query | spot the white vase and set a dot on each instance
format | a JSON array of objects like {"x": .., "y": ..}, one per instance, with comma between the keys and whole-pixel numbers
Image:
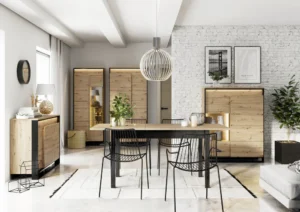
[
  {"x": 122, "y": 122},
  {"x": 113, "y": 122}
]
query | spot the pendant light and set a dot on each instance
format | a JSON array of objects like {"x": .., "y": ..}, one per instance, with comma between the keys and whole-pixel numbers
[{"x": 156, "y": 64}]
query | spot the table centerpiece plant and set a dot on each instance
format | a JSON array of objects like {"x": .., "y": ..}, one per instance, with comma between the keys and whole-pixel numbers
[{"x": 121, "y": 109}]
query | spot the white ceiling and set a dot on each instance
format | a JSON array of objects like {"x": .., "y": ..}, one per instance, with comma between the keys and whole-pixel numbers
[{"x": 124, "y": 21}]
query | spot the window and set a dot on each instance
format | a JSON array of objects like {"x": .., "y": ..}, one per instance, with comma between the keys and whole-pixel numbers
[{"x": 43, "y": 75}]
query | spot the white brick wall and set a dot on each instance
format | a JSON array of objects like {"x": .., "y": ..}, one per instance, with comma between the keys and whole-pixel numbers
[{"x": 280, "y": 59}]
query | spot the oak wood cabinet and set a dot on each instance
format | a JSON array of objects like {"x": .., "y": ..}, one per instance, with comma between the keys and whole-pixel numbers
[
  {"x": 88, "y": 106},
  {"x": 131, "y": 83},
  {"x": 243, "y": 111},
  {"x": 36, "y": 141}
]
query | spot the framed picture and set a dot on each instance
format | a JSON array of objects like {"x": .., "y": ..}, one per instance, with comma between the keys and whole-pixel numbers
[
  {"x": 218, "y": 62},
  {"x": 247, "y": 64}
]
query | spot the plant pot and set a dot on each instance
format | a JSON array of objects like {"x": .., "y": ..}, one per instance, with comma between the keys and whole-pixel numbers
[
  {"x": 287, "y": 152},
  {"x": 122, "y": 122},
  {"x": 113, "y": 122}
]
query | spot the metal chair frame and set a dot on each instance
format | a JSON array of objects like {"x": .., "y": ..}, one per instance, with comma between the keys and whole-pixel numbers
[
  {"x": 161, "y": 142},
  {"x": 129, "y": 151},
  {"x": 189, "y": 157},
  {"x": 142, "y": 121}
]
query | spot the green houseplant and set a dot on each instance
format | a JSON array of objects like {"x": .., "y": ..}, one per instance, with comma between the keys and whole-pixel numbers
[
  {"x": 286, "y": 110},
  {"x": 121, "y": 109},
  {"x": 286, "y": 106}
]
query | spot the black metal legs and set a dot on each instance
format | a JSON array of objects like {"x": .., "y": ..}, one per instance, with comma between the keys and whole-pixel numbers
[
  {"x": 174, "y": 189},
  {"x": 101, "y": 176},
  {"x": 220, "y": 189},
  {"x": 166, "y": 187},
  {"x": 147, "y": 172},
  {"x": 158, "y": 158},
  {"x": 142, "y": 178},
  {"x": 150, "y": 163}
]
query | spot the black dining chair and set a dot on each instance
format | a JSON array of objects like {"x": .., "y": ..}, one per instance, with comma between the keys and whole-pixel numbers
[
  {"x": 191, "y": 158},
  {"x": 167, "y": 142},
  {"x": 129, "y": 150},
  {"x": 142, "y": 140}
]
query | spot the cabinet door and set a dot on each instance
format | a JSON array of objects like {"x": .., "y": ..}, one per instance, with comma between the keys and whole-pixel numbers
[
  {"x": 51, "y": 143},
  {"x": 246, "y": 149},
  {"x": 139, "y": 96},
  {"x": 120, "y": 83}
]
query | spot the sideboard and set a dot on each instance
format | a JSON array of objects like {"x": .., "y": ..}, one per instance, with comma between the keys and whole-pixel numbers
[{"x": 35, "y": 141}]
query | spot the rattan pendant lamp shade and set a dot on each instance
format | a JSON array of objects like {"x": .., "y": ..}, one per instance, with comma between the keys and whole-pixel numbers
[{"x": 156, "y": 64}]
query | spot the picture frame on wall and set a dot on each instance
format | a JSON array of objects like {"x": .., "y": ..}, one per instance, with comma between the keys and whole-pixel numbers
[
  {"x": 218, "y": 60},
  {"x": 247, "y": 64}
]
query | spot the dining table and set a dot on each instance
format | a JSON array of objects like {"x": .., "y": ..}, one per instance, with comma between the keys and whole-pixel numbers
[{"x": 159, "y": 131}]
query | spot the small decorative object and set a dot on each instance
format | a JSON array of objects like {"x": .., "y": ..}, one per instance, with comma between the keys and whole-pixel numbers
[
  {"x": 213, "y": 121},
  {"x": 28, "y": 112},
  {"x": 184, "y": 123},
  {"x": 200, "y": 117},
  {"x": 156, "y": 64},
  {"x": 194, "y": 121},
  {"x": 121, "y": 109},
  {"x": 247, "y": 64},
  {"x": 295, "y": 166},
  {"x": 219, "y": 135},
  {"x": 23, "y": 72},
  {"x": 217, "y": 64},
  {"x": 220, "y": 120},
  {"x": 208, "y": 119},
  {"x": 46, "y": 107},
  {"x": 113, "y": 122}
]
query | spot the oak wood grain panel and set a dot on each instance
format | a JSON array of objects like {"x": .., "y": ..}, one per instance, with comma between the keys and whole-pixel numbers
[
  {"x": 94, "y": 135},
  {"x": 120, "y": 81},
  {"x": 41, "y": 125},
  {"x": 20, "y": 143},
  {"x": 250, "y": 109},
  {"x": 81, "y": 96},
  {"x": 246, "y": 135},
  {"x": 81, "y": 125},
  {"x": 216, "y": 105},
  {"x": 140, "y": 113},
  {"x": 254, "y": 99},
  {"x": 246, "y": 120},
  {"x": 51, "y": 143},
  {"x": 96, "y": 81},
  {"x": 81, "y": 114},
  {"x": 232, "y": 92},
  {"x": 246, "y": 149},
  {"x": 224, "y": 146}
]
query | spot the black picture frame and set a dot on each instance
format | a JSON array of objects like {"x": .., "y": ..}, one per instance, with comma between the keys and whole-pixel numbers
[
  {"x": 235, "y": 66},
  {"x": 21, "y": 74},
  {"x": 229, "y": 61}
]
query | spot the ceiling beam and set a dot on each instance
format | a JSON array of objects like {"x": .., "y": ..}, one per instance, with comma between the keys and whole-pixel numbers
[
  {"x": 32, "y": 12},
  {"x": 109, "y": 26},
  {"x": 168, "y": 11}
]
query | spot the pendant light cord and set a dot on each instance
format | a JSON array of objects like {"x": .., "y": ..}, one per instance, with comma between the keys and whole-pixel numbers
[{"x": 156, "y": 18}]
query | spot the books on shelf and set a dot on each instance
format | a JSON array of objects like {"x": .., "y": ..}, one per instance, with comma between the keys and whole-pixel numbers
[{"x": 28, "y": 113}]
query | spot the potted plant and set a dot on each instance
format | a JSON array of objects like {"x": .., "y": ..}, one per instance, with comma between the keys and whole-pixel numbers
[
  {"x": 286, "y": 110},
  {"x": 216, "y": 76},
  {"x": 121, "y": 109}
]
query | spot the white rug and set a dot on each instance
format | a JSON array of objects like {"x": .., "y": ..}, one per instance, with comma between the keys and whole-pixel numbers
[{"x": 84, "y": 184}]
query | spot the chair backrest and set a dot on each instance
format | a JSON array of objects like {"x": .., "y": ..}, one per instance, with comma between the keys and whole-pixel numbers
[
  {"x": 192, "y": 149},
  {"x": 171, "y": 121},
  {"x": 136, "y": 121},
  {"x": 125, "y": 139}
]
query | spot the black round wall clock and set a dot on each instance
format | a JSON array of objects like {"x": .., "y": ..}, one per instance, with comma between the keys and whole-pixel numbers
[{"x": 23, "y": 72}]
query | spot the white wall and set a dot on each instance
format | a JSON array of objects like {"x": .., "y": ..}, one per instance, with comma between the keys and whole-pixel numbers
[
  {"x": 2, "y": 120},
  {"x": 103, "y": 55},
  {"x": 21, "y": 41},
  {"x": 280, "y": 56}
]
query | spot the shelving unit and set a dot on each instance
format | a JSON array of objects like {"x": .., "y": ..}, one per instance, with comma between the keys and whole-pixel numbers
[{"x": 242, "y": 110}]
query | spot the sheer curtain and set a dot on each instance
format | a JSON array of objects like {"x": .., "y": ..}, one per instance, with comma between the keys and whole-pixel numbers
[{"x": 59, "y": 78}]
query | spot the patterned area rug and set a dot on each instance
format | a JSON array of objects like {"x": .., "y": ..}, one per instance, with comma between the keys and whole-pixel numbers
[{"x": 84, "y": 184}]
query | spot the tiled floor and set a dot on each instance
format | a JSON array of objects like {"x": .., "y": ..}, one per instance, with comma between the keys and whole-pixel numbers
[{"x": 90, "y": 158}]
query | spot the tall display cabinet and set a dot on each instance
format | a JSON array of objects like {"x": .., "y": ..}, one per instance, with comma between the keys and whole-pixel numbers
[
  {"x": 131, "y": 83},
  {"x": 88, "y": 97}
]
